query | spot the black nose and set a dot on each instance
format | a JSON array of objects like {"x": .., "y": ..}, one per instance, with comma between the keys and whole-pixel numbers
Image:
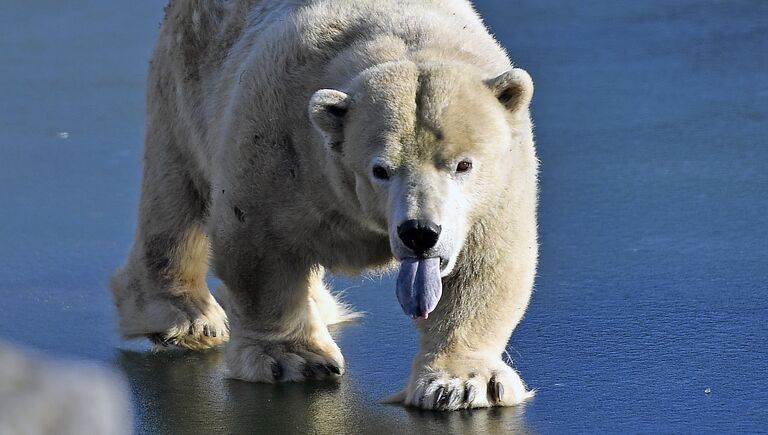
[{"x": 419, "y": 235}]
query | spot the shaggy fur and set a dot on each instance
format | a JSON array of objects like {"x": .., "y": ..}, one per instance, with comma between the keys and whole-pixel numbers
[{"x": 265, "y": 119}]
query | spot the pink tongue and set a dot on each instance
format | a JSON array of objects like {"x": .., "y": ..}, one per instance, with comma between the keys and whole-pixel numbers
[{"x": 419, "y": 286}]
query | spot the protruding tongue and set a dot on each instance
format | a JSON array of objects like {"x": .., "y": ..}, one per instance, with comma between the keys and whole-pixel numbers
[{"x": 419, "y": 286}]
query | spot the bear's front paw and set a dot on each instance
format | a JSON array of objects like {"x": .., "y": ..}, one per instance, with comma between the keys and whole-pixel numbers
[
  {"x": 282, "y": 361},
  {"x": 472, "y": 384}
]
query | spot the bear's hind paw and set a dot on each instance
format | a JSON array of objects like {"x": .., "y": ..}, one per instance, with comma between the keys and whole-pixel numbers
[
  {"x": 177, "y": 322},
  {"x": 272, "y": 362}
]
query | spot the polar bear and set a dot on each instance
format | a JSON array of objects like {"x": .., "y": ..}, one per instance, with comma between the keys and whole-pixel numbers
[{"x": 287, "y": 138}]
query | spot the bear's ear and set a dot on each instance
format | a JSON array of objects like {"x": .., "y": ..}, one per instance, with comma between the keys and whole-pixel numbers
[
  {"x": 514, "y": 89},
  {"x": 327, "y": 110}
]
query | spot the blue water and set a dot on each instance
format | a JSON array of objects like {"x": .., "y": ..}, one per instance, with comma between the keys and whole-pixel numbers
[{"x": 651, "y": 119}]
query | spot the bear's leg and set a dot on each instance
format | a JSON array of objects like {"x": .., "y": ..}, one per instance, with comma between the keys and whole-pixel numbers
[
  {"x": 278, "y": 331},
  {"x": 460, "y": 364},
  {"x": 161, "y": 291},
  {"x": 330, "y": 308}
]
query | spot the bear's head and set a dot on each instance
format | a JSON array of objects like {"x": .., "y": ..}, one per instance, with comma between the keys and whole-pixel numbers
[{"x": 425, "y": 150}]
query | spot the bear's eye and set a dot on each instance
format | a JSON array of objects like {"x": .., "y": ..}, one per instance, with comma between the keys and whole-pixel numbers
[
  {"x": 380, "y": 173},
  {"x": 464, "y": 166}
]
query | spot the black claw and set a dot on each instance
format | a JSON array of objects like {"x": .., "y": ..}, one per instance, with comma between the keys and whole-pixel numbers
[
  {"x": 277, "y": 371},
  {"x": 456, "y": 397},
  {"x": 438, "y": 397},
  {"x": 469, "y": 394},
  {"x": 492, "y": 389},
  {"x": 306, "y": 371},
  {"x": 322, "y": 369},
  {"x": 158, "y": 339},
  {"x": 447, "y": 398},
  {"x": 499, "y": 391},
  {"x": 334, "y": 368},
  {"x": 206, "y": 330},
  {"x": 213, "y": 332},
  {"x": 191, "y": 330}
]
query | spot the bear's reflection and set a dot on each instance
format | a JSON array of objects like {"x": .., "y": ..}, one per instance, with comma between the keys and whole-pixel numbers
[{"x": 182, "y": 392}]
